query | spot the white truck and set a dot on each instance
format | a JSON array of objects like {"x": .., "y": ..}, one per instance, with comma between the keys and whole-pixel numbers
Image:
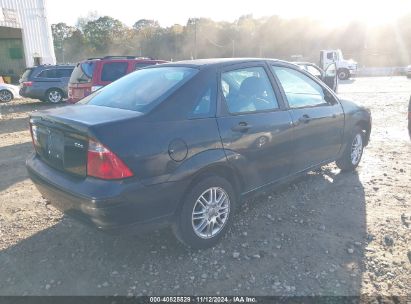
[{"x": 345, "y": 68}]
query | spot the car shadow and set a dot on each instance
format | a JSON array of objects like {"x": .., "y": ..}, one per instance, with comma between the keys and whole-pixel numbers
[{"x": 307, "y": 238}]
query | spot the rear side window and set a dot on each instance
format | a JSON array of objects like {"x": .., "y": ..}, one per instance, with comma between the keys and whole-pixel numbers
[
  {"x": 62, "y": 73},
  {"x": 48, "y": 74},
  {"x": 83, "y": 72},
  {"x": 142, "y": 90},
  {"x": 113, "y": 71}
]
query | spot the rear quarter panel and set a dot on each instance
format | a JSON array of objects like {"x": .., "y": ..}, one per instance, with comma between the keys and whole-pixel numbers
[
  {"x": 354, "y": 115},
  {"x": 145, "y": 147}
]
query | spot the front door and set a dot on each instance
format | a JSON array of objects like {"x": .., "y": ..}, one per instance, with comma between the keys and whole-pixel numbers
[
  {"x": 255, "y": 128},
  {"x": 318, "y": 118}
]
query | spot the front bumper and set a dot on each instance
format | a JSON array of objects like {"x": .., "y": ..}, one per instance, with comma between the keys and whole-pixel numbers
[
  {"x": 106, "y": 205},
  {"x": 353, "y": 71}
]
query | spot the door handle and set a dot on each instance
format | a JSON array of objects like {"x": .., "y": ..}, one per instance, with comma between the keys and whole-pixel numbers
[
  {"x": 241, "y": 127},
  {"x": 304, "y": 119}
]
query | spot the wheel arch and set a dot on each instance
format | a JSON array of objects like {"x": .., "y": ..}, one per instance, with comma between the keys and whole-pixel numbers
[
  {"x": 366, "y": 128},
  {"x": 5, "y": 89},
  {"x": 223, "y": 170}
]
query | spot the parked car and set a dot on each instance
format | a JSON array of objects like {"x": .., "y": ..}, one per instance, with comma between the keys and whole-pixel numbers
[
  {"x": 8, "y": 92},
  {"x": 46, "y": 82},
  {"x": 329, "y": 76},
  {"x": 174, "y": 144},
  {"x": 408, "y": 71},
  {"x": 94, "y": 73}
]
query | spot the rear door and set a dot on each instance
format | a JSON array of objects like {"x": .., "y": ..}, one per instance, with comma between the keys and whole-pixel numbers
[
  {"x": 255, "y": 128},
  {"x": 317, "y": 115}
]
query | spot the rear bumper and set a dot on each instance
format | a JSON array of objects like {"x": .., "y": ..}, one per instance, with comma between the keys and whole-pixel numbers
[
  {"x": 106, "y": 205},
  {"x": 29, "y": 92}
]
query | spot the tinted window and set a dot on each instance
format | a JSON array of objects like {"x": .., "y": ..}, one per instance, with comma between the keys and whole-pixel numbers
[
  {"x": 301, "y": 91},
  {"x": 141, "y": 90},
  {"x": 48, "y": 74},
  {"x": 83, "y": 72},
  {"x": 113, "y": 71},
  {"x": 248, "y": 90},
  {"x": 330, "y": 56},
  {"x": 64, "y": 72},
  {"x": 205, "y": 104},
  {"x": 140, "y": 65}
]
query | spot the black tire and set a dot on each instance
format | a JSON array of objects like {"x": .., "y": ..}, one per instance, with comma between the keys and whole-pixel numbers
[
  {"x": 343, "y": 74},
  {"x": 6, "y": 96},
  {"x": 54, "y": 96},
  {"x": 184, "y": 227},
  {"x": 346, "y": 162}
]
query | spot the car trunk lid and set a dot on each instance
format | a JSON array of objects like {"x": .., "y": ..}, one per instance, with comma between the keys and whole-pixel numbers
[{"x": 61, "y": 136}]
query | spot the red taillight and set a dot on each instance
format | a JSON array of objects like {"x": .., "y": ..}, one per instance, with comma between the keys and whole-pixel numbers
[
  {"x": 27, "y": 83},
  {"x": 33, "y": 132},
  {"x": 104, "y": 164}
]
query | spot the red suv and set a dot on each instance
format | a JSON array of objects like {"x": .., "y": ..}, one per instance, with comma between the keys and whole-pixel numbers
[{"x": 94, "y": 73}]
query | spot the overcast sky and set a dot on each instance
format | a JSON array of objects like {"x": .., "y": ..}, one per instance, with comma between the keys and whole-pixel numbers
[{"x": 169, "y": 12}]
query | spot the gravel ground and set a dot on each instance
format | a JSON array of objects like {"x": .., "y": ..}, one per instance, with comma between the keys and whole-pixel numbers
[{"x": 328, "y": 233}]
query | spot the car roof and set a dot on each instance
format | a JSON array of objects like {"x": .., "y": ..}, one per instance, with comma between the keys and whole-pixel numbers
[
  {"x": 50, "y": 66},
  {"x": 219, "y": 62}
]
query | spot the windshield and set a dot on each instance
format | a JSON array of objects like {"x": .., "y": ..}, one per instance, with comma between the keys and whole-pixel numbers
[
  {"x": 83, "y": 72},
  {"x": 142, "y": 90}
]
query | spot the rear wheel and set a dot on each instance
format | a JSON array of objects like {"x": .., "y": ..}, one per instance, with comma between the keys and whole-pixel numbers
[
  {"x": 206, "y": 213},
  {"x": 353, "y": 151},
  {"x": 343, "y": 74},
  {"x": 54, "y": 96},
  {"x": 5, "y": 96}
]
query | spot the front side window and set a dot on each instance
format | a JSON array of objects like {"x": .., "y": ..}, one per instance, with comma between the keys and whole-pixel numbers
[
  {"x": 113, "y": 71},
  {"x": 141, "y": 90},
  {"x": 301, "y": 91},
  {"x": 248, "y": 90}
]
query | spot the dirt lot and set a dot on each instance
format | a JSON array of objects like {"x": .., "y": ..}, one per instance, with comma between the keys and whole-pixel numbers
[{"x": 329, "y": 233}]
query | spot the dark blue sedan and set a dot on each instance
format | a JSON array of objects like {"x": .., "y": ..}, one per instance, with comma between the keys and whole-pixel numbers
[{"x": 182, "y": 144}]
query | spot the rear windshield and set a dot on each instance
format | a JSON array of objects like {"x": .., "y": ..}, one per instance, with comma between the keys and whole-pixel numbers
[
  {"x": 26, "y": 74},
  {"x": 141, "y": 90},
  {"x": 83, "y": 72}
]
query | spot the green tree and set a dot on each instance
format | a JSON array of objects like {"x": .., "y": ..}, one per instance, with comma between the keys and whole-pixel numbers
[{"x": 101, "y": 32}]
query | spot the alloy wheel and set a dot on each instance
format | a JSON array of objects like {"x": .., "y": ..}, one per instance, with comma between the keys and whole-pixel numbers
[
  {"x": 210, "y": 212},
  {"x": 356, "y": 149},
  {"x": 5, "y": 96},
  {"x": 54, "y": 96}
]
